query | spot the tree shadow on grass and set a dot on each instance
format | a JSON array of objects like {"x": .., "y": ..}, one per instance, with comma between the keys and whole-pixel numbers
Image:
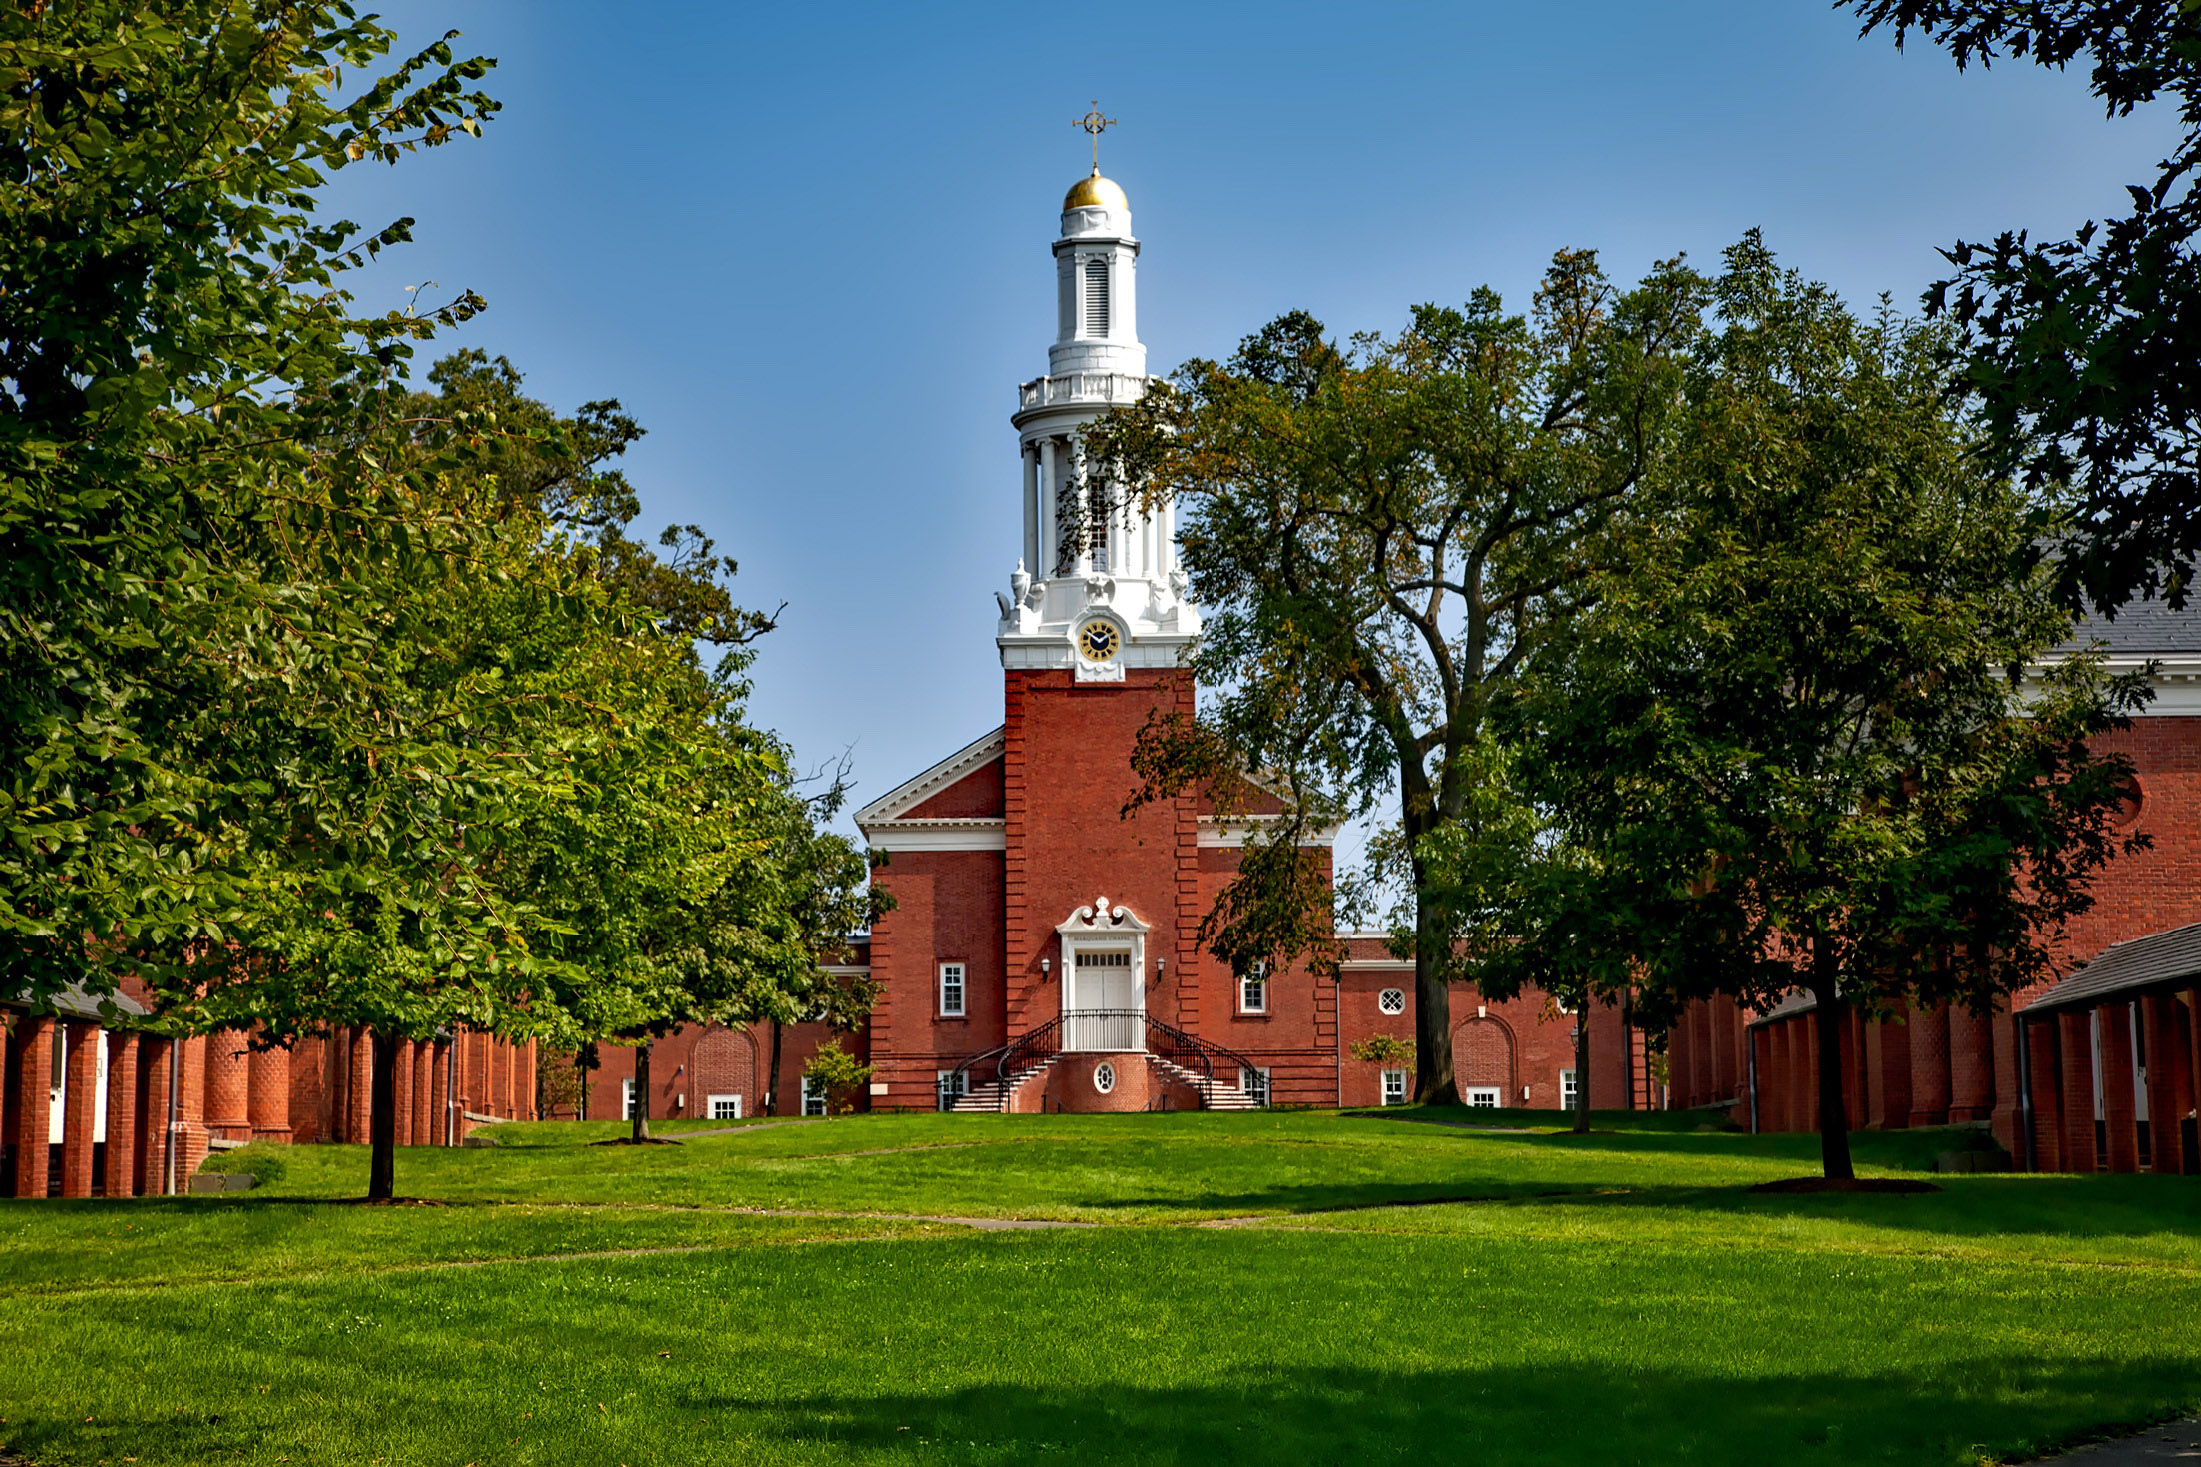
[{"x": 2008, "y": 1405}]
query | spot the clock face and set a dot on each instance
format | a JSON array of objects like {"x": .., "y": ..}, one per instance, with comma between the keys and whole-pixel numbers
[{"x": 1099, "y": 641}]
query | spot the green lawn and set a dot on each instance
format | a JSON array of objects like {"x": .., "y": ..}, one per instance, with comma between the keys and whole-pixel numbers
[{"x": 1263, "y": 1288}]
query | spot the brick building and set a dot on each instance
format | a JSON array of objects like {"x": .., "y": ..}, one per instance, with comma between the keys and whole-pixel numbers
[
  {"x": 1042, "y": 952},
  {"x": 2095, "y": 1071},
  {"x": 99, "y": 1103}
]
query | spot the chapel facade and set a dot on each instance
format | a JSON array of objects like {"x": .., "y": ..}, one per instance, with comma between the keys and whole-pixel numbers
[{"x": 1043, "y": 949}]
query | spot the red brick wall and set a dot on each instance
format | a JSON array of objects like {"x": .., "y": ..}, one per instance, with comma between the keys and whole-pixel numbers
[{"x": 948, "y": 908}]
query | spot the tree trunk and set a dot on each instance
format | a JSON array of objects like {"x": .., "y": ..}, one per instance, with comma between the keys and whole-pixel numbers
[
  {"x": 772, "y": 1076},
  {"x": 1434, "y": 1083},
  {"x": 1582, "y": 1065},
  {"x": 1833, "y": 1114},
  {"x": 382, "y": 1121},
  {"x": 642, "y": 1092}
]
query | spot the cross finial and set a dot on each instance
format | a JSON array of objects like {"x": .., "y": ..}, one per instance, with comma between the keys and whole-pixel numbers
[{"x": 1095, "y": 124}]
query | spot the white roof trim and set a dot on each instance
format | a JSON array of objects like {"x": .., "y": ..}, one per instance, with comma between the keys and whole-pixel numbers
[
  {"x": 939, "y": 835},
  {"x": 1215, "y": 833},
  {"x": 909, "y": 795},
  {"x": 2175, "y": 676}
]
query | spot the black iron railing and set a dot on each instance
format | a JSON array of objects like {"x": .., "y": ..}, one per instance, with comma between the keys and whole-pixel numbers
[
  {"x": 1099, "y": 1031},
  {"x": 1004, "y": 1064},
  {"x": 1210, "y": 1061}
]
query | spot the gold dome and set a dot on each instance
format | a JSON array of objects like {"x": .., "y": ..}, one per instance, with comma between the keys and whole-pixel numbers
[{"x": 1095, "y": 193}]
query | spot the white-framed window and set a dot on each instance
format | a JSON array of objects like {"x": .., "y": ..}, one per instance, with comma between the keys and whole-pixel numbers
[
  {"x": 723, "y": 1107},
  {"x": 1104, "y": 1077},
  {"x": 813, "y": 1096},
  {"x": 1253, "y": 990},
  {"x": 1392, "y": 1001},
  {"x": 1570, "y": 1094},
  {"x": 1483, "y": 1095},
  {"x": 948, "y": 1087},
  {"x": 626, "y": 1100},
  {"x": 1255, "y": 1082},
  {"x": 951, "y": 990},
  {"x": 1394, "y": 1087}
]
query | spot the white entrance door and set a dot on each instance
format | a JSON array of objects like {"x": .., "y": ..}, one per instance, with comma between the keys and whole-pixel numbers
[{"x": 1102, "y": 1011}]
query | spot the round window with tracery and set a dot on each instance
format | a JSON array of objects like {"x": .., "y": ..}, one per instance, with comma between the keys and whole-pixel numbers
[
  {"x": 1392, "y": 1000},
  {"x": 1104, "y": 1077}
]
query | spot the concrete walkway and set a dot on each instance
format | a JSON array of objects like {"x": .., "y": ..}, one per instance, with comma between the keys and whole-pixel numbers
[{"x": 2176, "y": 1441}]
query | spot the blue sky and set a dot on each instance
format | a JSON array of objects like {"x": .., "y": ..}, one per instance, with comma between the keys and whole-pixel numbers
[{"x": 807, "y": 246}]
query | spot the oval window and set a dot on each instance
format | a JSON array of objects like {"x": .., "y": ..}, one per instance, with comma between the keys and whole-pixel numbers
[
  {"x": 1392, "y": 1000},
  {"x": 1104, "y": 1077}
]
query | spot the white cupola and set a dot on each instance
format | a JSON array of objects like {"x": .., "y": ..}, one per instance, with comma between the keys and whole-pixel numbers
[{"x": 1111, "y": 596}]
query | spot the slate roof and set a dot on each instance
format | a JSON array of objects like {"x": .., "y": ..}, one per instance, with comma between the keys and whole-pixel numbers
[
  {"x": 2141, "y": 628},
  {"x": 2126, "y": 967},
  {"x": 77, "y": 1002},
  {"x": 1798, "y": 1002}
]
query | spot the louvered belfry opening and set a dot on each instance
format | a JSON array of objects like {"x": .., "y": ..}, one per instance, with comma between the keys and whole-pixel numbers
[{"x": 1096, "y": 297}]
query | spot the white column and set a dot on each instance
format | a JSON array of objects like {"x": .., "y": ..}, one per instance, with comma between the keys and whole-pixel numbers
[
  {"x": 1076, "y": 461},
  {"x": 1043, "y": 459},
  {"x": 1028, "y": 461}
]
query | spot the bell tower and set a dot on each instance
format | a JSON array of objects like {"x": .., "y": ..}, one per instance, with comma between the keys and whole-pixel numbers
[
  {"x": 1095, "y": 638},
  {"x": 1097, "y": 589}
]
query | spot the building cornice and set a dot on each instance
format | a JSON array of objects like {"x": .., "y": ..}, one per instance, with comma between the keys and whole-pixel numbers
[{"x": 938, "y": 835}]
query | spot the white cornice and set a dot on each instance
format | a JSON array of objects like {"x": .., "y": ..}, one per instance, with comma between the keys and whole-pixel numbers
[
  {"x": 2175, "y": 677},
  {"x": 912, "y": 793},
  {"x": 1376, "y": 965},
  {"x": 938, "y": 835},
  {"x": 1217, "y": 834}
]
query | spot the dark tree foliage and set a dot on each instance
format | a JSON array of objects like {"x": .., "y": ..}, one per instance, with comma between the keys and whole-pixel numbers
[
  {"x": 1381, "y": 533},
  {"x": 2086, "y": 351},
  {"x": 1811, "y": 735}
]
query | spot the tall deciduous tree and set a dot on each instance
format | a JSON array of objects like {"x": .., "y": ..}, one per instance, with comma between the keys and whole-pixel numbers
[
  {"x": 1793, "y": 742},
  {"x": 2082, "y": 349},
  {"x": 178, "y": 555},
  {"x": 1380, "y": 533}
]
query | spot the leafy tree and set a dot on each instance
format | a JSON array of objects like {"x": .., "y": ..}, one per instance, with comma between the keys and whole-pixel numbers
[
  {"x": 1381, "y": 533},
  {"x": 176, "y": 557},
  {"x": 1791, "y": 743},
  {"x": 2081, "y": 349},
  {"x": 561, "y": 470},
  {"x": 837, "y": 1073}
]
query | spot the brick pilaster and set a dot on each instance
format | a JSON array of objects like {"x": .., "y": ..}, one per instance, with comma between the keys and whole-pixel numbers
[
  {"x": 359, "y": 1086},
  {"x": 228, "y": 1085},
  {"x": 79, "y": 1109},
  {"x": 1930, "y": 1066},
  {"x": 2047, "y": 1091},
  {"x": 439, "y": 1094},
  {"x": 2169, "y": 1086},
  {"x": 1971, "y": 1066},
  {"x": 34, "y": 1039},
  {"x": 424, "y": 1088},
  {"x": 2075, "y": 1046},
  {"x": 155, "y": 1056},
  {"x": 122, "y": 1116},
  {"x": 268, "y": 1106},
  {"x": 2120, "y": 1101}
]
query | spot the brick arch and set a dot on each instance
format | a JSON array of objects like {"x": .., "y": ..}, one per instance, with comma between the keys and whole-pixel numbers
[
  {"x": 726, "y": 1064},
  {"x": 1482, "y": 1054}
]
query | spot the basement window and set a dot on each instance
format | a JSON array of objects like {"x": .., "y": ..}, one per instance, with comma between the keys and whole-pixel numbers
[{"x": 1394, "y": 1087}]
